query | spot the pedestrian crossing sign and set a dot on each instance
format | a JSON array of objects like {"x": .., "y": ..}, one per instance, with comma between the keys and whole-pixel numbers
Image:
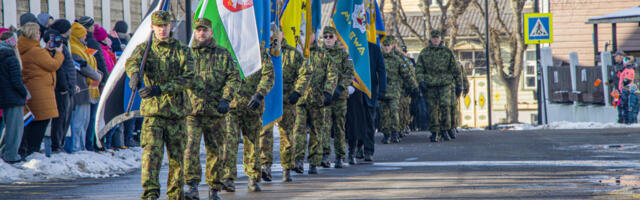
[{"x": 538, "y": 28}]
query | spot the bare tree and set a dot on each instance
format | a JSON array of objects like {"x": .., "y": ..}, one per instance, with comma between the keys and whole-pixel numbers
[
  {"x": 459, "y": 7},
  {"x": 511, "y": 39}
]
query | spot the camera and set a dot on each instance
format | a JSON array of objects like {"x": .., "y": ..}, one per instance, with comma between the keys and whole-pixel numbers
[{"x": 54, "y": 41}]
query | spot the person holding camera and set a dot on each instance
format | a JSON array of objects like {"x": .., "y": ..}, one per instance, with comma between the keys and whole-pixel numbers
[{"x": 39, "y": 75}]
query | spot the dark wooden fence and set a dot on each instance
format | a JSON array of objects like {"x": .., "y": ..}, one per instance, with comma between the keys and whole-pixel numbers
[{"x": 588, "y": 85}]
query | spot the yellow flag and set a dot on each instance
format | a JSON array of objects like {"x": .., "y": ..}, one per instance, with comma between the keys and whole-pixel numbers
[{"x": 291, "y": 21}]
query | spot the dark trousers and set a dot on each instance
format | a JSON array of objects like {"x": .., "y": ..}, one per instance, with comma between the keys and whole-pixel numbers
[
  {"x": 60, "y": 125},
  {"x": 91, "y": 133},
  {"x": 32, "y": 137},
  {"x": 360, "y": 124}
]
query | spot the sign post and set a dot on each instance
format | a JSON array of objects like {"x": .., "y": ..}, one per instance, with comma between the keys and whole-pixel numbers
[{"x": 539, "y": 29}]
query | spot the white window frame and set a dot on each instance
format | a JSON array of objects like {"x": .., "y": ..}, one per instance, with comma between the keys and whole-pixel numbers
[{"x": 526, "y": 75}]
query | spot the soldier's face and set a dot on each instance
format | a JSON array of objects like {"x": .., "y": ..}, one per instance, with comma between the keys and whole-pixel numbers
[
  {"x": 329, "y": 39},
  {"x": 161, "y": 31},
  {"x": 435, "y": 41},
  {"x": 202, "y": 34},
  {"x": 387, "y": 48}
]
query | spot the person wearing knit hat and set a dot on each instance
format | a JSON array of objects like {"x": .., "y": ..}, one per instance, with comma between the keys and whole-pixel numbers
[
  {"x": 45, "y": 20},
  {"x": 26, "y": 18},
  {"x": 102, "y": 37},
  {"x": 62, "y": 26},
  {"x": 86, "y": 21}
]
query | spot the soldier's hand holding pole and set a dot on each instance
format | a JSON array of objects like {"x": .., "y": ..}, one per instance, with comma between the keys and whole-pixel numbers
[
  {"x": 255, "y": 102},
  {"x": 223, "y": 106},
  {"x": 293, "y": 98},
  {"x": 150, "y": 91}
]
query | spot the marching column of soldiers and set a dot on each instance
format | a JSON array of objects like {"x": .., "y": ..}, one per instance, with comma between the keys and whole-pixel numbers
[{"x": 196, "y": 94}]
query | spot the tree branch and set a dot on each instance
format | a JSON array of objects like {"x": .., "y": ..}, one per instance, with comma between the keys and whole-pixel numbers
[
  {"x": 402, "y": 18},
  {"x": 496, "y": 7}
]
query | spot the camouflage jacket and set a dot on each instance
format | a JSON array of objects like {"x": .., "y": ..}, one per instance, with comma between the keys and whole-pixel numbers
[
  {"x": 320, "y": 77},
  {"x": 397, "y": 74},
  {"x": 217, "y": 78},
  {"x": 170, "y": 67},
  {"x": 436, "y": 66},
  {"x": 260, "y": 83},
  {"x": 343, "y": 67},
  {"x": 292, "y": 69}
]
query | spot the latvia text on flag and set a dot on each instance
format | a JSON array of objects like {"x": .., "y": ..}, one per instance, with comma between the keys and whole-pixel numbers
[
  {"x": 265, "y": 10},
  {"x": 239, "y": 33},
  {"x": 350, "y": 19},
  {"x": 376, "y": 31}
]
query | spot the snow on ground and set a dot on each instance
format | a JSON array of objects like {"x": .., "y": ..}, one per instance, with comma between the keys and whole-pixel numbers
[
  {"x": 63, "y": 166},
  {"x": 566, "y": 125}
]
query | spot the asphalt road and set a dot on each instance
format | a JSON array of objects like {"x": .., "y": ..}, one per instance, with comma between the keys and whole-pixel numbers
[{"x": 545, "y": 164}]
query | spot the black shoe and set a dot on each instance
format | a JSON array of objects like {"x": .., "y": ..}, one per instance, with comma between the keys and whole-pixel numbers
[
  {"x": 312, "y": 169},
  {"x": 452, "y": 133},
  {"x": 266, "y": 174},
  {"x": 192, "y": 192},
  {"x": 352, "y": 160},
  {"x": 368, "y": 158},
  {"x": 228, "y": 185},
  {"x": 359, "y": 154},
  {"x": 299, "y": 166},
  {"x": 286, "y": 175},
  {"x": 395, "y": 137},
  {"x": 434, "y": 137},
  {"x": 338, "y": 162},
  {"x": 213, "y": 194},
  {"x": 253, "y": 186},
  {"x": 325, "y": 161},
  {"x": 131, "y": 143},
  {"x": 445, "y": 136},
  {"x": 386, "y": 139}
]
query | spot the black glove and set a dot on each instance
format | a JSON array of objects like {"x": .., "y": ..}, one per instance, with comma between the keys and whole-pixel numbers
[
  {"x": 327, "y": 99},
  {"x": 223, "y": 106},
  {"x": 458, "y": 91},
  {"x": 465, "y": 91},
  {"x": 255, "y": 102},
  {"x": 337, "y": 92},
  {"x": 423, "y": 87},
  {"x": 293, "y": 98},
  {"x": 382, "y": 96},
  {"x": 148, "y": 92},
  {"x": 416, "y": 92},
  {"x": 134, "y": 81}
]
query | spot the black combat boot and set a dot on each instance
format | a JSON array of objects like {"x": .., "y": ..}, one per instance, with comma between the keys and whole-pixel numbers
[
  {"x": 352, "y": 160},
  {"x": 325, "y": 161},
  {"x": 338, "y": 163},
  {"x": 395, "y": 137},
  {"x": 312, "y": 169},
  {"x": 228, "y": 185},
  {"x": 360, "y": 154},
  {"x": 286, "y": 175},
  {"x": 368, "y": 158},
  {"x": 266, "y": 174},
  {"x": 386, "y": 139},
  {"x": 192, "y": 193},
  {"x": 213, "y": 194},
  {"x": 452, "y": 133},
  {"x": 253, "y": 186},
  {"x": 299, "y": 166},
  {"x": 434, "y": 137},
  {"x": 444, "y": 135}
]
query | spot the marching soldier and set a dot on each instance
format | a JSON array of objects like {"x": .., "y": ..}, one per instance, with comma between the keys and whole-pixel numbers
[
  {"x": 167, "y": 73},
  {"x": 440, "y": 81},
  {"x": 405, "y": 99},
  {"x": 455, "y": 108},
  {"x": 316, "y": 93},
  {"x": 337, "y": 112},
  {"x": 397, "y": 72},
  {"x": 216, "y": 80},
  {"x": 246, "y": 117}
]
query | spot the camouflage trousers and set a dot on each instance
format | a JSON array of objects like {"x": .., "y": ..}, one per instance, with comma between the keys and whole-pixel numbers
[
  {"x": 313, "y": 117},
  {"x": 285, "y": 126},
  {"x": 405, "y": 112},
  {"x": 335, "y": 123},
  {"x": 439, "y": 102},
  {"x": 158, "y": 133},
  {"x": 249, "y": 122},
  {"x": 390, "y": 116},
  {"x": 455, "y": 113},
  {"x": 214, "y": 131},
  {"x": 266, "y": 146}
]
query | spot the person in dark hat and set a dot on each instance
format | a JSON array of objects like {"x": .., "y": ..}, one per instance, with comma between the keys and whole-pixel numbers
[{"x": 168, "y": 75}]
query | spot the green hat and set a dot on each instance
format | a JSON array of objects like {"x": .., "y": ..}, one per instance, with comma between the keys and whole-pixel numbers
[
  {"x": 329, "y": 29},
  {"x": 202, "y": 22},
  {"x": 160, "y": 17},
  {"x": 389, "y": 40},
  {"x": 435, "y": 33}
]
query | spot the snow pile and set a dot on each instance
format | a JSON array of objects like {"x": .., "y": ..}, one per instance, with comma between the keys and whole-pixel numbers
[
  {"x": 63, "y": 166},
  {"x": 566, "y": 125}
]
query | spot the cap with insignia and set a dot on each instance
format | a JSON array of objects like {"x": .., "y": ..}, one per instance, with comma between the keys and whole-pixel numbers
[
  {"x": 202, "y": 22},
  {"x": 329, "y": 29},
  {"x": 160, "y": 17},
  {"x": 389, "y": 40},
  {"x": 435, "y": 33}
]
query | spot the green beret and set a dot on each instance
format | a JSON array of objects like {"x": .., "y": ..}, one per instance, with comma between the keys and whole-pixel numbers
[
  {"x": 160, "y": 17},
  {"x": 202, "y": 22},
  {"x": 435, "y": 33},
  {"x": 329, "y": 29}
]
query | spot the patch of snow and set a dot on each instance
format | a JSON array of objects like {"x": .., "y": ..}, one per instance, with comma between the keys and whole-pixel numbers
[
  {"x": 565, "y": 125},
  {"x": 63, "y": 166}
]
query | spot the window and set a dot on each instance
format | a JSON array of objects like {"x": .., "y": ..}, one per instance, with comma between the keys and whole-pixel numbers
[
  {"x": 473, "y": 61},
  {"x": 530, "y": 72}
]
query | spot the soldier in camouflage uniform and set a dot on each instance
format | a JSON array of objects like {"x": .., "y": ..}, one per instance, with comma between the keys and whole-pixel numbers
[
  {"x": 216, "y": 80},
  {"x": 397, "y": 72},
  {"x": 246, "y": 117},
  {"x": 405, "y": 99},
  {"x": 439, "y": 79},
  {"x": 316, "y": 92},
  {"x": 336, "y": 113},
  {"x": 455, "y": 114},
  {"x": 167, "y": 74}
]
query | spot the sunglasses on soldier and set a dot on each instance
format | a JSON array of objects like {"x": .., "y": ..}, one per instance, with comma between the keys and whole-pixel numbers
[{"x": 328, "y": 36}]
